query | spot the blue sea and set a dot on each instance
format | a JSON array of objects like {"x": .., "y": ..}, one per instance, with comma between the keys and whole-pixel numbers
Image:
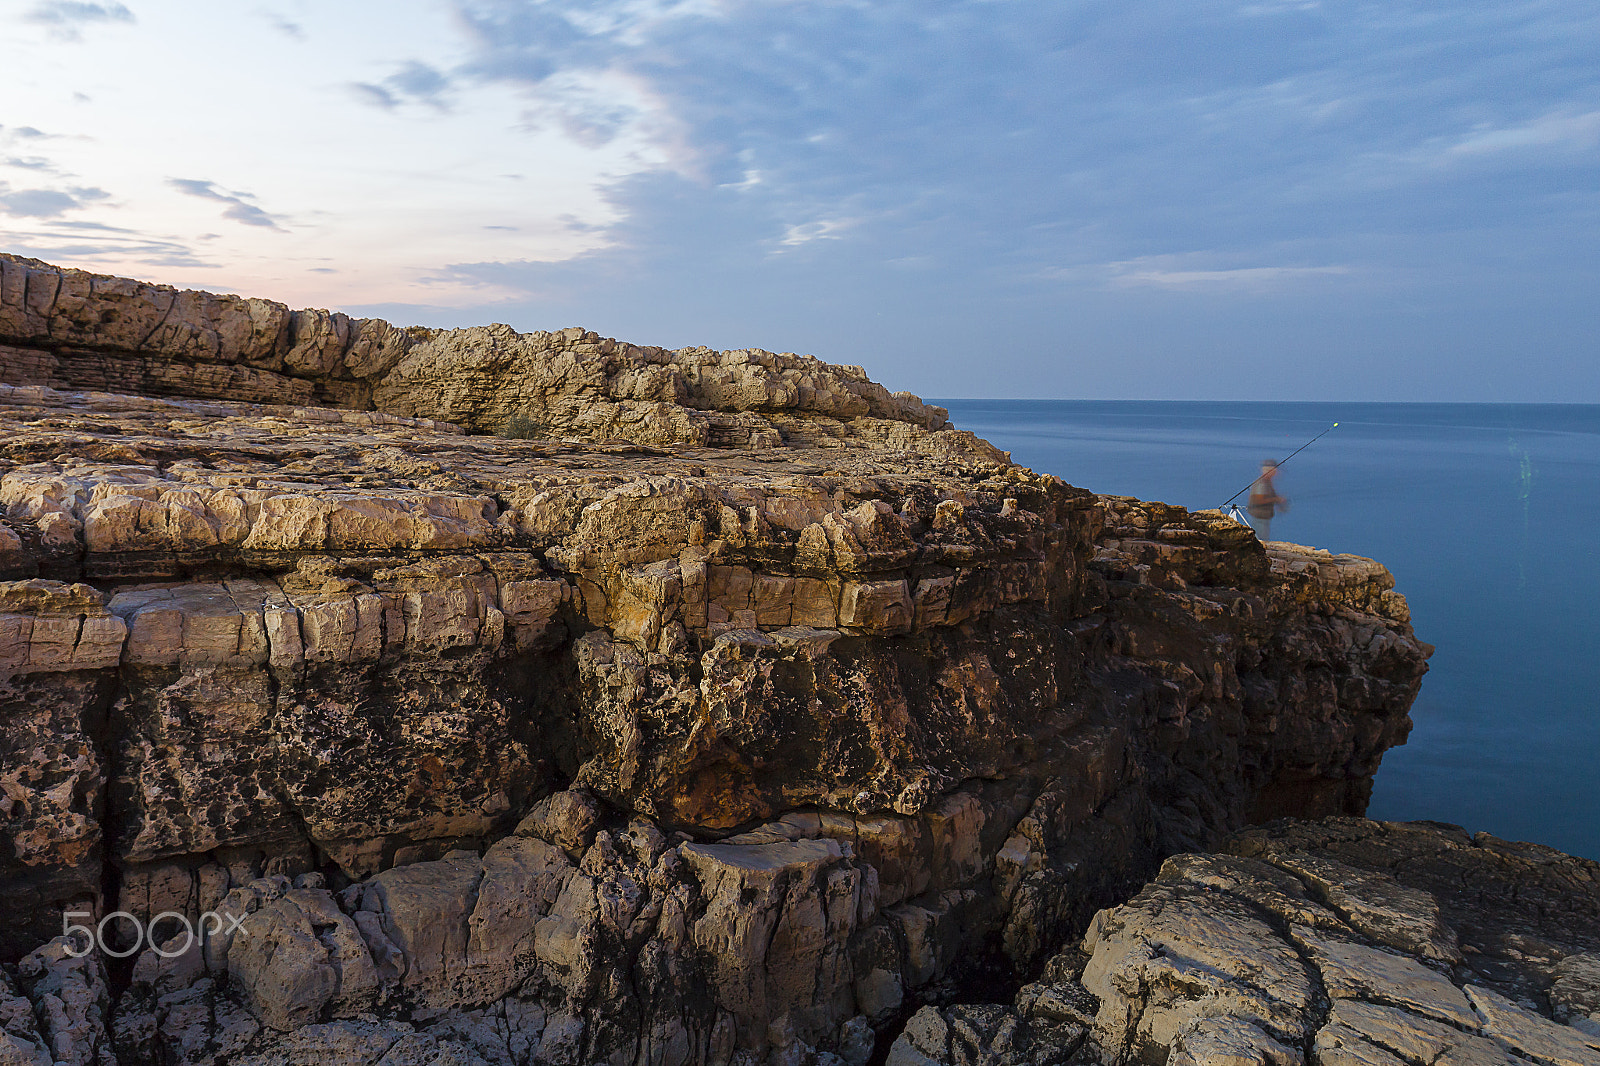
[{"x": 1489, "y": 517}]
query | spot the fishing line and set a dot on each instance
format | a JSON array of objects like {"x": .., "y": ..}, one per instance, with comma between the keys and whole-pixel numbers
[{"x": 1232, "y": 509}]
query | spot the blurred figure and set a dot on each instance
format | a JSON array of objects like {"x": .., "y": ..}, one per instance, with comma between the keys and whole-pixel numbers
[{"x": 1265, "y": 501}]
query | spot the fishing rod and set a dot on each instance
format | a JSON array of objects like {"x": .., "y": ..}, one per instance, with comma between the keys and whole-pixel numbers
[{"x": 1292, "y": 454}]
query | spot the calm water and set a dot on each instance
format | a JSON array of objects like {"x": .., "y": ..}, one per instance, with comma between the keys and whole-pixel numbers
[{"x": 1487, "y": 514}]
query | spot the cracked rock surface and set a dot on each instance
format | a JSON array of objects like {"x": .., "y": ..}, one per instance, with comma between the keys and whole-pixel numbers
[
  {"x": 731, "y": 708},
  {"x": 1343, "y": 942}
]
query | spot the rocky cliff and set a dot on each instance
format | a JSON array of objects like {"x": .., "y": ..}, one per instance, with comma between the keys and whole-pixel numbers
[{"x": 540, "y": 697}]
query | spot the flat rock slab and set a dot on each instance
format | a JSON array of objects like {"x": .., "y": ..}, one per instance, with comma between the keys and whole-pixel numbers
[{"x": 1343, "y": 942}]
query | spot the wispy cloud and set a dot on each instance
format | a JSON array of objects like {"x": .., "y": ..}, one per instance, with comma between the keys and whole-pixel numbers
[
  {"x": 238, "y": 209},
  {"x": 373, "y": 95},
  {"x": 59, "y": 240},
  {"x": 794, "y": 172},
  {"x": 46, "y": 203},
  {"x": 36, "y": 203},
  {"x": 1209, "y": 119},
  {"x": 1278, "y": 7},
  {"x": 286, "y": 26},
  {"x": 822, "y": 229},
  {"x": 1556, "y": 130},
  {"x": 65, "y": 18},
  {"x": 1149, "y": 272},
  {"x": 414, "y": 82}
]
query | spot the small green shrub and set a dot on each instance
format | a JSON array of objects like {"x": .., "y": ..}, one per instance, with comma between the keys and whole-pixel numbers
[{"x": 521, "y": 427}]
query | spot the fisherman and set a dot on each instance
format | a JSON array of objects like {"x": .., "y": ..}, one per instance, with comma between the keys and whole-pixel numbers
[{"x": 1265, "y": 501}]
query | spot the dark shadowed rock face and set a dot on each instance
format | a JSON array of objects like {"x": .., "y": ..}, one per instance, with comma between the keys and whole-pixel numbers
[
  {"x": 735, "y": 709},
  {"x": 1335, "y": 943}
]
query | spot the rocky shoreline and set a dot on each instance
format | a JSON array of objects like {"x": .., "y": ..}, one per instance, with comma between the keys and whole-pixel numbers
[{"x": 544, "y": 698}]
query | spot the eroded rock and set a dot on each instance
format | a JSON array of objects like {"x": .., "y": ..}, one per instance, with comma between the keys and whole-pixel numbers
[
  {"x": 1224, "y": 959},
  {"x": 726, "y": 707}
]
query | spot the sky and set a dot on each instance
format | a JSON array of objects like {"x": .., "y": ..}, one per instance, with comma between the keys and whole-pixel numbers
[{"x": 1095, "y": 199}]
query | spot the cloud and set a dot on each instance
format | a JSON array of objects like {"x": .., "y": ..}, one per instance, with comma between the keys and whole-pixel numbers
[
  {"x": 823, "y": 229},
  {"x": 37, "y": 203},
  {"x": 99, "y": 227},
  {"x": 1029, "y": 134},
  {"x": 585, "y": 109},
  {"x": 832, "y": 164},
  {"x": 67, "y": 11},
  {"x": 1278, "y": 7},
  {"x": 47, "y": 203},
  {"x": 414, "y": 82},
  {"x": 60, "y": 241},
  {"x": 237, "y": 210},
  {"x": 1558, "y": 130},
  {"x": 44, "y": 232},
  {"x": 373, "y": 95},
  {"x": 1148, "y": 273},
  {"x": 904, "y": 115},
  {"x": 64, "y": 17},
  {"x": 418, "y": 79},
  {"x": 289, "y": 28}
]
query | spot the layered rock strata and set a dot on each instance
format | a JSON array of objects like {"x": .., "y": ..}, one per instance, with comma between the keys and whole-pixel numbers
[
  {"x": 69, "y": 329},
  {"x": 636, "y": 739},
  {"x": 1340, "y": 943}
]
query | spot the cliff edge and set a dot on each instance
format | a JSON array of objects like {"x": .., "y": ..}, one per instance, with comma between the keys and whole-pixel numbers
[{"x": 538, "y": 697}]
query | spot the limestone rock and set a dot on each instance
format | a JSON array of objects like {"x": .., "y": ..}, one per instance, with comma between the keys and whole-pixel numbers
[
  {"x": 301, "y": 958},
  {"x": 1174, "y": 956},
  {"x": 539, "y": 696},
  {"x": 21, "y": 1043},
  {"x": 566, "y": 819},
  {"x": 1216, "y": 960},
  {"x": 68, "y": 328},
  {"x": 66, "y": 983}
]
